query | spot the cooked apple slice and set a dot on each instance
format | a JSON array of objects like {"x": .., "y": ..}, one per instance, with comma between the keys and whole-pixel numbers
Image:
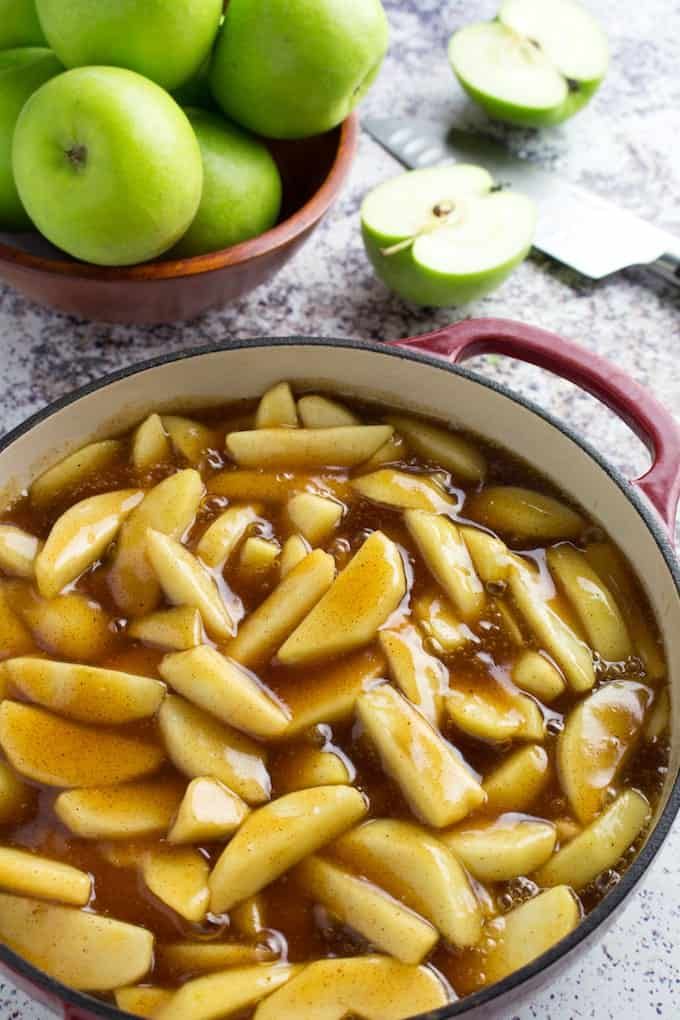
[
  {"x": 170, "y": 629},
  {"x": 315, "y": 517},
  {"x": 143, "y": 1000},
  {"x": 294, "y": 551},
  {"x": 183, "y": 958},
  {"x": 448, "y": 560},
  {"x": 323, "y": 413},
  {"x": 391, "y": 452},
  {"x": 226, "y": 690},
  {"x": 539, "y": 676},
  {"x": 219, "y": 541},
  {"x": 189, "y": 438},
  {"x": 415, "y": 868},
  {"x": 15, "y": 638},
  {"x": 306, "y": 766},
  {"x": 509, "y": 624},
  {"x": 130, "y": 811},
  {"x": 659, "y": 718},
  {"x": 186, "y": 582},
  {"x": 276, "y": 837},
  {"x": 518, "y": 781},
  {"x": 612, "y": 567},
  {"x": 80, "y": 536},
  {"x": 16, "y": 797},
  {"x": 170, "y": 507},
  {"x": 18, "y": 551},
  {"x": 277, "y": 408},
  {"x": 422, "y": 678},
  {"x": 58, "y": 752},
  {"x": 179, "y": 877},
  {"x": 592, "y": 602},
  {"x": 494, "y": 712},
  {"x": 445, "y": 448},
  {"x": 530, "y": 930},
  {"x": 570, "y": 653},
  {"x": 498, "y": 851},
  {"x": 271, "y": 486},
  {"x": 436, "y": 618},
  {"x": 69, "y": 473},
  {"x": 200, "y": 745},
  {"x": 370, "y": 987},
  {"x": 80, "y": 949},
  {"x": 353, "y": 609},
  {"x": 376, "y": 915},
  {"x": 600, "y": 846},
  {"x": 403, "y": 490},
  {"x": 523, "y": 515},
  {"x": 150, "y": 444},
  {"x": 86, "y": 693},
  {"x": 600, "y": 735},
  {"x": 346, "y": 446},
  {"x": 434, "y": 779},
  {"x": 250, "y": 917},
  {"x": 209, "y": 812},
  {"x": 258, "y": 554},
  {"x": 28, "y": 874},
  {"x": 265, "y": 629},
  {"x": 71, "y": 626},
  {"x": 226, "y": 994},
  {"x": 328, "y": 695},
  {"x": 489, "y": 555}
]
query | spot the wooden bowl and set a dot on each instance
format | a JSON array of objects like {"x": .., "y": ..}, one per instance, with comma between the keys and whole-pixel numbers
[{"x": 313, "y": 172}]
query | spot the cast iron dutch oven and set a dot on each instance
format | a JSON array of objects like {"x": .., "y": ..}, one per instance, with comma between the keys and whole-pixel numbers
[{"x": 423, "y": 375}]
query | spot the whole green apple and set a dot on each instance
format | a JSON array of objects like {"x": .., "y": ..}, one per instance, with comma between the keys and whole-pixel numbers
[
  {"x": 295, "y": 68},
  {"x": 166, "y": 40},
  {"x": 19, "y": 25},
  {"x": 241, "y": 187},
  {"x": 537, "y": 64},
  {"x": 22, "y": 71},
  {"x": 107, "y": 165},
  {"x": 445, "y": 236}
]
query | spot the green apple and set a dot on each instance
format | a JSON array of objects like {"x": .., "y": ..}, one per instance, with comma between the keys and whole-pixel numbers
[
  {"x": 295, "y": 68},
  {"x": 19, "y": 25},
  {"x": 537, "y": 64},
  {"x": 445, "y": 236},
  {"x": 166, "y": 40},
  {"x": 241, "y": 187},
  {"x": 107, "y": 165},
  {"x": 22, "y": 71},
  {"x": 196, "y": 91}
]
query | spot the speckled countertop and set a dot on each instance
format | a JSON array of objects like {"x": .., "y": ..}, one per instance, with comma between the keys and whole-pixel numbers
[{"x": 626, "y": 147}]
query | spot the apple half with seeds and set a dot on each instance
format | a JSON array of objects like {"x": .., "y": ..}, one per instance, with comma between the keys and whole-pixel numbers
[
  {"x": 538, "y": 63},
  {"x": 446, "y": 235}
]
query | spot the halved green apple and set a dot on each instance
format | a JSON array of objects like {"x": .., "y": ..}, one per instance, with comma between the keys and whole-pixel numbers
[
  {"x": 445, "y": 235},
  {"x": 538, "y": 63}
]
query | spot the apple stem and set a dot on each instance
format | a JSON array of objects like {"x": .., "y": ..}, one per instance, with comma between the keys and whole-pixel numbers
[{"x": 441, "y": 212}]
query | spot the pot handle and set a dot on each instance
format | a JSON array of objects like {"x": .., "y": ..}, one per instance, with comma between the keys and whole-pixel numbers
[{"x": 655, "y": 426}]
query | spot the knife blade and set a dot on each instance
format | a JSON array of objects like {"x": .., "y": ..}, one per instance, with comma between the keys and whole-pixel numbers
[{"x": 575, "y": 226}]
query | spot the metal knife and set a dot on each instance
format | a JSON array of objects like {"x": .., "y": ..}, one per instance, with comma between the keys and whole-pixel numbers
[{"x": 575, "y": 227}]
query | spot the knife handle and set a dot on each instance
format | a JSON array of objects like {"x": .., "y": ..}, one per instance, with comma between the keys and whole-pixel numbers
[
  {"x": 650, "y": 420},
  {"x": 667, "y": 267}
]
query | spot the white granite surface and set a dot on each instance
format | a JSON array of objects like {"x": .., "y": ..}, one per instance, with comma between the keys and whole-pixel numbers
[{"x": 627, "y": 147}]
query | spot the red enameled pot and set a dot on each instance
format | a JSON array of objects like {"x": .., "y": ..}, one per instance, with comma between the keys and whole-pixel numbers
[{"x": 421, "y": 374}]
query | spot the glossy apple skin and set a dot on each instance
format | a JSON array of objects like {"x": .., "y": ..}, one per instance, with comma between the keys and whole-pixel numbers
[
  {"x": 523, "y": 116},
  {"x": 241, "y": 187},
  {"x": 422, "y": 286},
  {"x": 165, "y": 40},
  {"x": 22, "y": 71},
  {"x": 125, "y": 184},
  {"x": 295, "y": 68},
  {"x": 19, "y": 25}
]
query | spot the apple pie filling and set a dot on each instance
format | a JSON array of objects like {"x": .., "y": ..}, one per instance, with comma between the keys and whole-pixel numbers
[{"x": 310, "y": 709}]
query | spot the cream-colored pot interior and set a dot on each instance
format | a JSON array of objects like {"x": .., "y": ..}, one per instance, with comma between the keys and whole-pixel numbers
[{"x": 398, "y": 381}]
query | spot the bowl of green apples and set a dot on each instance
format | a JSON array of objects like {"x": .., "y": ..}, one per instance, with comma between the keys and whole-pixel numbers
[{"x": 162, "y": 157}]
